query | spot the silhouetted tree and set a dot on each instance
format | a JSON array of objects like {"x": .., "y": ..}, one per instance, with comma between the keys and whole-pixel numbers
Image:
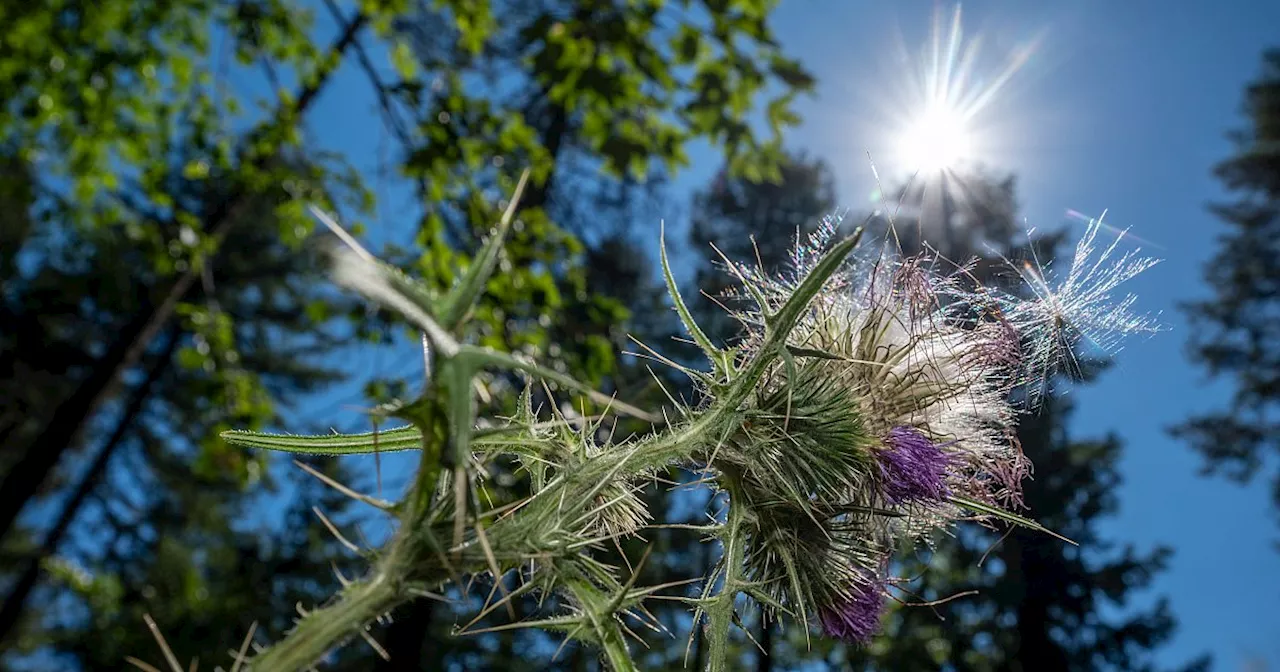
[
  {"x": 1236, "y": 332},
  {"x": 151, "y": 520}
]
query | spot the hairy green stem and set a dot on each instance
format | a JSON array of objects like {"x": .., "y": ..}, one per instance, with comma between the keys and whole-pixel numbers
[
  {"x": 596, "y": 608},
  {"x": 721, "y": 611},
  {"x": 615, "y": 651},
  {"x": 318, "y": 632},
  {"x": 364, "y": 601}
]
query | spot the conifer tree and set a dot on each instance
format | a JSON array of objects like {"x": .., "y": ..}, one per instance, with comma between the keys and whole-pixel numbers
[{"x": 1236, "y": 332}]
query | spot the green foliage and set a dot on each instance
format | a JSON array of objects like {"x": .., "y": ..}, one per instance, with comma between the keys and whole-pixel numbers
[
  {"x": 569, "y": 89},
  {"x": 128, "y": 115},
  {"x": 157, "y": 291},
  {"x": 169, "y": 541}
]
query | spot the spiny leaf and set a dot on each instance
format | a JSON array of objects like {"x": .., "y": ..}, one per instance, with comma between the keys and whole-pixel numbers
[
  {"x": 713, "y": 353},
  {"x": 870, "y": 510},
  {"x": 463, "y": 296},
  {"x": 396, "y": 439},
  {"x": 752, "y": 289},
  {"x": 383, "y": 441},
  {"x": 480, "y": 356},
  {"x": 974, "y": 505},
  {"x": 386, "y": 285},
  {"x": 555, "y": 623},
  {"x": 598, "y": 612},
  {"x": 778, "y": 328},
  {"x": 799, "y": 351},
  {"x": 766, "y": 599}
]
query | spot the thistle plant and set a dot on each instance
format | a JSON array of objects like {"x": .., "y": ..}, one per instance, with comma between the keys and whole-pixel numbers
[{"x": 869, "y": 407}]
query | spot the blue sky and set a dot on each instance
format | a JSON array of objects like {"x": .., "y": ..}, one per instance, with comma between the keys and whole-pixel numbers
[{"x": 1120, "y": 106}]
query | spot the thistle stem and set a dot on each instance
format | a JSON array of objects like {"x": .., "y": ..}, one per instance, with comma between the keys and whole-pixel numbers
[
  {"x": 446, "y": 423},
  {"x": 615, "y": 651},
  {"x": 318, "y": 632},
  {"x": 364, "y": 601},
  {"x": 721, "y": 612},
  {"x": 608, "y": 631}
]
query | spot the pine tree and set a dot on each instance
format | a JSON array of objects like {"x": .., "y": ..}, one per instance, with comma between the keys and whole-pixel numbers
[{"x": 1235, "y": 333}]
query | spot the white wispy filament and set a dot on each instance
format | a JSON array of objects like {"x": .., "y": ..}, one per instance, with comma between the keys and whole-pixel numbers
[{"x": 1061, "y": 316}]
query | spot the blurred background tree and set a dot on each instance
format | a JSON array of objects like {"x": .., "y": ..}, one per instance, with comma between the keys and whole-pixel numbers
[
  {"x": 1237, "y": 331},
  {"x": 155, "y": 293}
]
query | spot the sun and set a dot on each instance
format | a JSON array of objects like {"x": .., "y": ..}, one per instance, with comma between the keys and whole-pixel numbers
[
  {"x": 937, "y": 140},
  {"x": 938, "y": 114}
]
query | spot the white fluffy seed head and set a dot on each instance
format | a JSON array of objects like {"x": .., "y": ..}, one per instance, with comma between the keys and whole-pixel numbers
[{"x": 1061, "y": 315}]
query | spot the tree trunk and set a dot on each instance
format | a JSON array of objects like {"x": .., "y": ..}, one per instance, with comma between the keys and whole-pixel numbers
[
  {"x": 25, "y": 478},
  {"x": 1037, "y": 651},
  {"x": 70, "y": 417},
  {"x": 16, "y": 600}
]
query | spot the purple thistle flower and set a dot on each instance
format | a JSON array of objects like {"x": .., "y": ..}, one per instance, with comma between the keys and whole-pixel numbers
[
  {"x": 912, "y": 467},
  {"x": 855, "y": 617}
]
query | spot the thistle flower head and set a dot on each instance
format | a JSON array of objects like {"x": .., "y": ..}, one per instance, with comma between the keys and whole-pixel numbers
[
  {"x": 889, "y": 416},
  {"x": 864, "y": 410},
  {"x": 884, "y": 407},
  {"x": 918, "y": 371}
]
